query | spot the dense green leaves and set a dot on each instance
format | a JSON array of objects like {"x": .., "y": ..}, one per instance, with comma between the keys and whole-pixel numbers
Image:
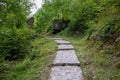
[
  {"x": 98, "y": 19},
  {"x": 14, "y": 43},
  {"x": 77, "y": 11},
  {"x": 14, "y": 33},
  {"x": 13, "y": 12},
  {"x": 82, "y": 14}
]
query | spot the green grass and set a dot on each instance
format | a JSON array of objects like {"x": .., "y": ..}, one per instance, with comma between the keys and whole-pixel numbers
[
  {"x": 95, "y": 63},
  {"x": 35, "y": 66}
]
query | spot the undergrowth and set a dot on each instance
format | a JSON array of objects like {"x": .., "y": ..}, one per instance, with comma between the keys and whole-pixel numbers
[
  {"x": 35, "y": 66},
  {"x": 95, "y": 63}
]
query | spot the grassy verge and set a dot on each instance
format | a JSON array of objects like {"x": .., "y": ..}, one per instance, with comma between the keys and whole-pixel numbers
[
  {"x": 96, "y": 64},
  {"x": 35, "y": 66}
]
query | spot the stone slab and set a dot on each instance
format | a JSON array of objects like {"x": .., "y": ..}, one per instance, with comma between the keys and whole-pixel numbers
[
  {"x": 66, "y": 57},
  {"x": 62, "y": 42},
  {"x": 65, "y": 47},
  {"x": 66, "y": 73},
  {"x": 56, "y": 38}
]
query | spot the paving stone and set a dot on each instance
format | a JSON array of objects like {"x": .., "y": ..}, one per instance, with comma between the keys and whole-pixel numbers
[
  {"x": 65, "y": 47},
  {"x": 56, "y": 38},
  {"x": 66, "y": 73},
  {"x": 66, "y": 57},
  {"x": 62, "y": 42},
  {"x": 66, "y": 63}
]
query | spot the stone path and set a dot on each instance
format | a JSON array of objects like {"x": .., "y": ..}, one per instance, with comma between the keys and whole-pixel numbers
[
  {"x": 66, "y": 57},
  {"x": 66, "y": 63},
  {"x": 65, "y": 47},
  {"x": 59, "y": 41}
]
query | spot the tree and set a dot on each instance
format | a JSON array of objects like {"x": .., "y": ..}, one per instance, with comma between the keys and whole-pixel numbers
[
  {"x": 14, "y": 33},
  {"x": 14, "y": 12}
]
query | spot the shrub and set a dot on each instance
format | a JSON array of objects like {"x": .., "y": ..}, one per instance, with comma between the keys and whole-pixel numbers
[{"x": 14, "y": 43}]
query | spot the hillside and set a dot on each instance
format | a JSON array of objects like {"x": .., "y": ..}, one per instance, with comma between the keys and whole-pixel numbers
[{"x": 92, "y": 27}]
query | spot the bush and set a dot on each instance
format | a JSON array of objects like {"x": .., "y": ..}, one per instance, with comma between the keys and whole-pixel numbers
[{"x": 14, "y": 43}]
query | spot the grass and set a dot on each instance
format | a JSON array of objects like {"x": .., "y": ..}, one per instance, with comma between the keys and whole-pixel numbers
[
  {"x": 35, "y": 66},
  {"x": 95, "y": 63}
]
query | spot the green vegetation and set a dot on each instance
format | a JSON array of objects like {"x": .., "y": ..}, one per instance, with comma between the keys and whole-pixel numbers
[
  {"x": 23, "y": 53},
  {"x": 35, "y": 66},
  {"x": 90, "y": 14},
  {"x": 98, "y": 20},
  {"x": 14, "y": 43},
  {"x": 95, "y": 64},
  {"x": 94, "y": 30},
  {"x": 14, "y": 33}
]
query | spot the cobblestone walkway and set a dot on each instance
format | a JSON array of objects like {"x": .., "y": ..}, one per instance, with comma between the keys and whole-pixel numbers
[{"x": 66, "y": 63}]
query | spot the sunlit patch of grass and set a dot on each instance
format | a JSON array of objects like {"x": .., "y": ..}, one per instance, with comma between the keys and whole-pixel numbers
[{"x": 36, "y": 66}]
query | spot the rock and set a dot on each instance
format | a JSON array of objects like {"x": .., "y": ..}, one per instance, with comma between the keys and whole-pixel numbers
[
  {"x": 66, "y": 73},
  {"x": 67, "y": 57},
  {"x": 65, "y": 47},
  {"x": 62, "y": 42},
  {"x": 66, "y": 64}
]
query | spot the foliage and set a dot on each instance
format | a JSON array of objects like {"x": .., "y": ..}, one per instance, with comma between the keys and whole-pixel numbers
[
  {"x": 96, "y": 65},
  {"x": 98, "y": 20},
  {"x": 14, "y": 43},
  {"x": 34, "y": 66},
  {"x": 106, "y": 26},
  {"x": 14, "y": 35},
  {"x": 51, "y": 10},
  {"x": 99, "y": 48},
  {"x": 82, "y": 14},
  {"x": 77, "y": 11},
  {"x": 13, "y": 12}
]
